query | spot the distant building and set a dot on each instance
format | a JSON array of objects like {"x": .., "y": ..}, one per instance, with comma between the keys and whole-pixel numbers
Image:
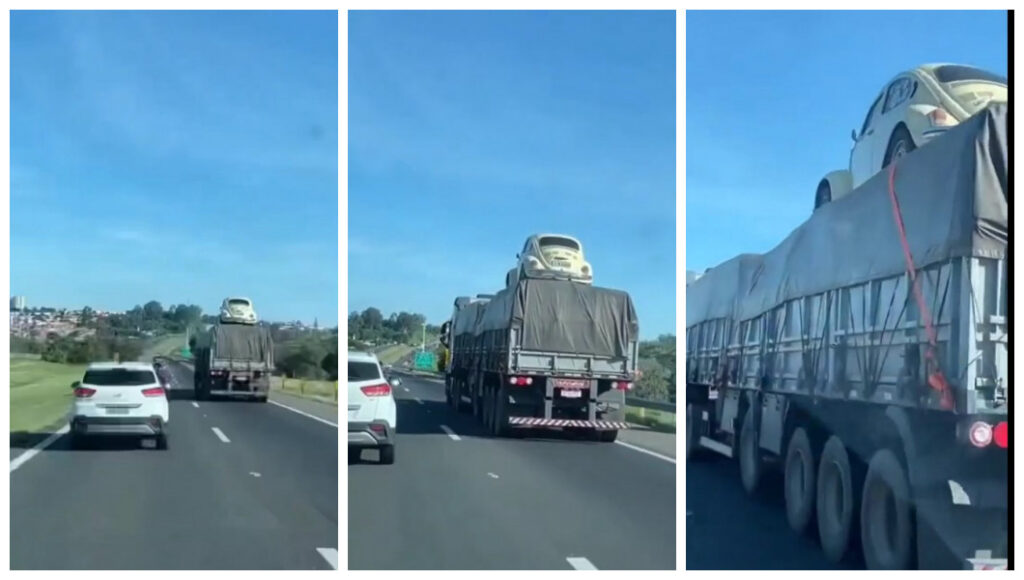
[{"x": 18, "y": 303}]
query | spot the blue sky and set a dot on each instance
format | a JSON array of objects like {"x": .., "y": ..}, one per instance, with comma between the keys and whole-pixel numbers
[
  {"x": 771, "y": 99},
  {"x": 470, "y": 131},
  {"x": 176, "y": 156}
]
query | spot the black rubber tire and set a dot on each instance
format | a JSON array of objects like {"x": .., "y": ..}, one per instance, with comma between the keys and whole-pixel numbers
[
  {"x": 354, "y": 455},
  {"x": 79, "y": 442},
  {"x": 900, "y": 134},
  {"x": 823, "y": 194},
  {"x": 161, "y": 442},
  {"x": 499, "y": 415},
  {"x": 749, "y": 456},
  {"x": 886, "y": 549},
  {"x": 387, "y": 454},
  {"x": 488, "y": 410},
  {"x": 693, "y": 426},
  {"x": 457, "y": 396},
  {"x": 608, "y": 436},
  {"x": 262, "y": 399},
  {"x": 799, "y": 481},
  {"x": 836, "y": 500}
]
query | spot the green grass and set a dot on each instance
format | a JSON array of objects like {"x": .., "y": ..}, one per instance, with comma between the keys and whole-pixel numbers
[
  {"x": 323, "y": 391},
  {"x": 656, "y": 420},
  {"x": 40, "y": 393},
  {"x": 391, "y": 354}
]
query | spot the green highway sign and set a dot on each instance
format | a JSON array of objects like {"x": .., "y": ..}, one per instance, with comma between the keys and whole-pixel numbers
[{"x": 425, "y": 361}]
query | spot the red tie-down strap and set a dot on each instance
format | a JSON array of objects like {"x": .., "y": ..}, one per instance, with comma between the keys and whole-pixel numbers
[{"x": 936, "y": 379}]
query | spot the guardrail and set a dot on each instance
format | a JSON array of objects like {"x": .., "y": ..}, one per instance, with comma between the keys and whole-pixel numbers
[{"x": 666, "y": 406}]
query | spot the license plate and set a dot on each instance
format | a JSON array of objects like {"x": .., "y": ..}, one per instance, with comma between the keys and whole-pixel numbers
[
  {"x": 117, "y": 411},
  {"x": 570, "y": 383},
  {"x": 572, "y": 393}
]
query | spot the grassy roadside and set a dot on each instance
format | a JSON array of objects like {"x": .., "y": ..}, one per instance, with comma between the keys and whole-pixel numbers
[
  {"x": 657, "y": 420},
  {"x": 164, "y": 345},
  {"x": 391, "y": 354},
  {"x": 321, "y": 391},
  {"x": 40, "y": 393}
]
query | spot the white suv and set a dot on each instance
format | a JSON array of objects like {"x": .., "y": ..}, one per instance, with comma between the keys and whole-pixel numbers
[
  {"x": 372, "y": 414},
  {"x": 121, "y": 399}
]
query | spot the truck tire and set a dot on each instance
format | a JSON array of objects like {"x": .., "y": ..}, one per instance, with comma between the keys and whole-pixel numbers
[
  {"x": 749, "y": 456},
  {"x": 835, "y": 500},
  {"x": 798, "y": 481},
  {"x": 886, "y": 519},
  {"x": 693, "y": 429},
  {"x": 608, "y": 436},
  {"x": 499, "y": 415}
]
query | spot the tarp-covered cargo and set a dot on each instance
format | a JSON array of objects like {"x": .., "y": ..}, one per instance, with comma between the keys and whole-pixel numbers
[
  {"x": 238, "y": 342},
  {"x": 560, "y": 317},
  {"x": 952, "y": 195},
  {"x": 716, "y": 294}
]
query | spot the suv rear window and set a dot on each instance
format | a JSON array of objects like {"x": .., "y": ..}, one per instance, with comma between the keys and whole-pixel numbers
[
  {"x": 957, "y": 73},
  {"x": 363, "y": 371},
  {"x": 563, "y": 242},
  {"x": 119, "y": 378}
]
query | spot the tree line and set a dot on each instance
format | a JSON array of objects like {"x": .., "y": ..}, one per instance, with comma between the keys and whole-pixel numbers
[{"x": 370, "y": 327}]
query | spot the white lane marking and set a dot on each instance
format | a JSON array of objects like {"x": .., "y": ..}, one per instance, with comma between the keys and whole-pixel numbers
[
  {"x": 450, "y": 433},
  {"x": 581, "y": 564},
  {"x": 688, "y": 513},
  {"x": 221, "y": 435},
  {"x": 647, "y": 451},
  {"x": 304, "y": 414},
  {"x": 493, "y": 475},
  {"x": 21, "y": 459},
  {"x": 254, "y": 473},
  {"x": 195, "y": 404},
  {"x": 960, "y": 496},
  {"x": 406, "y": 389},
  {"x": 418, "y": 400},
  {"x": 331, "y": 555}
]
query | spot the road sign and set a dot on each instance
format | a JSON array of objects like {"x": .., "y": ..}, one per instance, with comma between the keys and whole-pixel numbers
[
  {"x": 185, "y": 352},
  {"x": 425, "y": 360}
]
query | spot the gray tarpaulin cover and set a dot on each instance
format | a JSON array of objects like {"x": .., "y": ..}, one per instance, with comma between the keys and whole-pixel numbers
[
  {"x": 952, "y": 194},
  {"x": 562, "y": 316},
  {"x": 241, "y": 342}
]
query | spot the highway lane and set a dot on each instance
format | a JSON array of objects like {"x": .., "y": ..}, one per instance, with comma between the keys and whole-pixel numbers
[
  {"x": 728, "y": 530},
  {"x": 242, "y": 486},
  {"x": 467, "y": 501}
]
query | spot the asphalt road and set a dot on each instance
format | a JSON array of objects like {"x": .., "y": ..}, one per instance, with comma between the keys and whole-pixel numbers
[
  {"x": 265, "y": 499},
  {"x": 728, "y": 530},
  {"x": 467, "y": 501}
]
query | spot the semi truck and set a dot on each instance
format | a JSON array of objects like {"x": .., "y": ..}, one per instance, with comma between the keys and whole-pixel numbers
[
  {"x": 233, "y": 360},
  {"x": 864, "y": 359},
  {"x": 543, "y": 354}
]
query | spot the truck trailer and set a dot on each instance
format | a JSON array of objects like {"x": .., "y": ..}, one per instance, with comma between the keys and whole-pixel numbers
[
  {"x": 233, "y": 360},
  {"x": 544, "y": 354},
  {"x": 865, "y": 358}
]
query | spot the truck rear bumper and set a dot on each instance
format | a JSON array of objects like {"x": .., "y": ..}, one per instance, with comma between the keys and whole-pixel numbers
[{"x": 546, "y": 423}]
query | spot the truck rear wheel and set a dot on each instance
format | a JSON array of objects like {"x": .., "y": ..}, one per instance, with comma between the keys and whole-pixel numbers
[
  {"x": 751, "y": 465},
  {"x": 693, "y": 429},
  {"x": 886, "y": 526},
  {"x": 499, "y": 414},
  {"x": 608, "y": 436},
  {"x": 798, "y": 481},
  {"x": 836, "y": 500}
]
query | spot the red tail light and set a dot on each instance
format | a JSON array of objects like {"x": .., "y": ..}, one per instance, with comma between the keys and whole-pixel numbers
[
  {"x": 1001, "y": 435},
  {"x": 381, "y": 390},
  {"x": 520, "y": 381},
  {"x": 940, "y": 118},
  {"x": 153, "y": 392},
  {"x": 623, "y": 386},
  {"x": 84, "y": 392}
]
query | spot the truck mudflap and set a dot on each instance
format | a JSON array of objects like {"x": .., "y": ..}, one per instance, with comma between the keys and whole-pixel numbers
[{"x": 539, "y": 422}]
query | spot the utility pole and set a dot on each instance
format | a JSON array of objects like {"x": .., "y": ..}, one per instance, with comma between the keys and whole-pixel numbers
[{"x": 423, "y": 342}]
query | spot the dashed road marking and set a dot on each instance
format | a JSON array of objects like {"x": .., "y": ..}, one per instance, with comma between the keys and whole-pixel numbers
[
  {"x": 220, "y": 435},
  {"x": 493, "y": 475},
  {"x": 581, "y": 563},
  {"x": 450, "y": 433},
  {"x": 195, "y": 404},
  {"x": 418, "y": 400},
  {"x": 331, "y": 555}
]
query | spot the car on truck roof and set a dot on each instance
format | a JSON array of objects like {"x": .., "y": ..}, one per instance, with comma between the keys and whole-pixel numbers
[
  {"x": 553, "y": 256},
  {"x": 912, "y": 109}
]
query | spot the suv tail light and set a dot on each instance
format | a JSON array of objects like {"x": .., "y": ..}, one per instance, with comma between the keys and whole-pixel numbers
[
  {"x": 520, "y": 381},
  {"x": 153, "y": 392},
  {"x": 84, "y": 392},
  {"x": 381, "y": 390}
]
